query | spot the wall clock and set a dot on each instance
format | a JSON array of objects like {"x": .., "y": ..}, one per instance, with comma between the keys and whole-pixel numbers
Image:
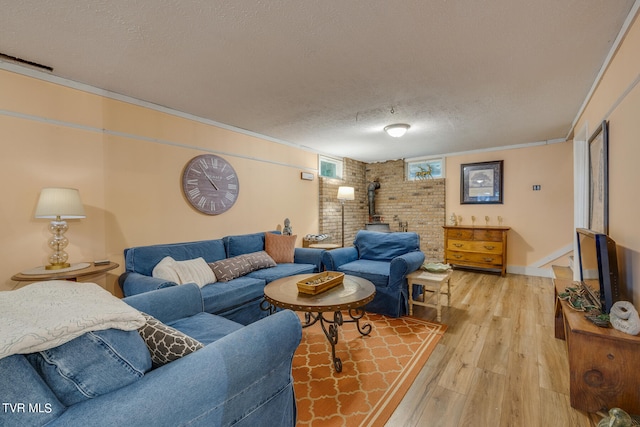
[{"x": 210, "y": 184}]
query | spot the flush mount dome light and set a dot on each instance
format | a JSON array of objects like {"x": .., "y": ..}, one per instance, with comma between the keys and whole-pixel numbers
[{"x": 397, "y": 130}]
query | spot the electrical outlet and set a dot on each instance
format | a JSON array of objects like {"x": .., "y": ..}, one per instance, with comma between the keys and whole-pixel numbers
[{"x": 536, "y": 188}]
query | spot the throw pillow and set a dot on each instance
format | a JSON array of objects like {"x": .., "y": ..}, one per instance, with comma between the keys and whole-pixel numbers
[
  {"x": 230, "y": 268},
  {"x": 280, "y": 247},
  {"x": 165, "y": 269},
  {"x": 260, "y": 260},
  {"x": 194, "y": 271},
  {"x": 165, "y": 343}
]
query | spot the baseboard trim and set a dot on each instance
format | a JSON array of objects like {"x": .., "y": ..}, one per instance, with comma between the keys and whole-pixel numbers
[{"x": 530, "y": 271}]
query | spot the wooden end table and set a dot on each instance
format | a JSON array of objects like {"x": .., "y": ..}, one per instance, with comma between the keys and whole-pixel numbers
[
  {"x": 326, "y": 246},
  {"x": 351, "y": 295},
  {"x": 73, "y": 273},
  {"x": 430, "y": 282}
]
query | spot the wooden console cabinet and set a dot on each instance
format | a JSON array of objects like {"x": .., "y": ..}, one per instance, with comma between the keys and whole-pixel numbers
[
  {"x": 476, "y": 246},
  {"x": 603, "y": 362}
]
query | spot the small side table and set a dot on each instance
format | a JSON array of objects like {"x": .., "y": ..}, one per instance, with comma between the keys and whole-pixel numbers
[
  {"x": 430, "y": 282},
  {"x": 66, "y": 274},
  {"x": 327, "y": 246}
]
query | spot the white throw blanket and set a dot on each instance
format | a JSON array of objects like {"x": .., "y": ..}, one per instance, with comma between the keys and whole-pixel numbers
[{"x": 45, "y": 315}]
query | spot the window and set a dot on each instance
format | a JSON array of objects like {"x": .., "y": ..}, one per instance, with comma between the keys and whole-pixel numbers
[
  {"x": 329, "y": 167},
  {"x": 425, "y": 168}
]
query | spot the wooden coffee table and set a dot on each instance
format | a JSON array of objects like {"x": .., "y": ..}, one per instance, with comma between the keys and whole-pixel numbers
[{"x": 351, "y": 295}]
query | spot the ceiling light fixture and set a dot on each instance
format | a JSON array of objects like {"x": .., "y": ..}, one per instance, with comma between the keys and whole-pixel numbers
[{"x": 397, "y": 130}]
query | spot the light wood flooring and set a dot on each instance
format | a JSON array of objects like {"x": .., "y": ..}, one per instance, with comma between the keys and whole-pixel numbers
[{"x": 498, "y": 364}]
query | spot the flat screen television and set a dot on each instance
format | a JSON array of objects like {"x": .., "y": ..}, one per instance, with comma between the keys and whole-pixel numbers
[{"x": 599, "y": 267}]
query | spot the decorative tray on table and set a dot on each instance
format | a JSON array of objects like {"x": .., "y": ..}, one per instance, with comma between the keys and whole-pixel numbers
[
  {"x": 320, "y": 282},
  {"x": 435, "y": 267}
]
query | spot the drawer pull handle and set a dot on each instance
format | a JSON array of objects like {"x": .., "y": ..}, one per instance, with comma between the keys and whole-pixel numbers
[
  {"x": 458, "y": 245},
  {"x": 457, "y": 256},
  {"x": 488, "y": 259},
  {"x": 489, "y": 247}
]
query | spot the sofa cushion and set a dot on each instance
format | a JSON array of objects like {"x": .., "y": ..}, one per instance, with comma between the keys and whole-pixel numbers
[
  {"x": 143, "y": 259},
  {"x": 280, "y": 247},
  {"x": 165, "y": 343},
  {"x": 223, "y": 296},
  {"x": 375, "y": 271},
  {"x": 282, "y": 270},
  {"x": 92, "y": 364},
  {"x": 230, "y": 268},
  {"x": 379, "y": 246},
  {"x": 243, "y": 244},
  {"x": 206, "y": 327}
]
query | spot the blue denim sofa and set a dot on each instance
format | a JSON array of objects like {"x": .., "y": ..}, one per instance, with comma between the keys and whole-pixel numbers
[
  {"x": 242, "y": 377},
  {"x": 385, "y": 259},
  {"x": 239, "y": 299}
]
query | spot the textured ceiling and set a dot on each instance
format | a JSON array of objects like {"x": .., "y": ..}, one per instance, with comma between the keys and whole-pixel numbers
[{"x": 329, "y": 75}]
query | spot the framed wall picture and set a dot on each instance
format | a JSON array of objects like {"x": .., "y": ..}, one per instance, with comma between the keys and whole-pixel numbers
[
  {"x": 426, "y": 168},
  {"x": 481, "y": 183},
  {"x": 599, "y": 179}
]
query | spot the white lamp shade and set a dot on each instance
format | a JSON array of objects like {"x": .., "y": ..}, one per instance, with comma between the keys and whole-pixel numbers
[
  {"x": 346, "y": 193},
  {"x": 62, "y": 202},
  {"x": 397, "y": 130}
]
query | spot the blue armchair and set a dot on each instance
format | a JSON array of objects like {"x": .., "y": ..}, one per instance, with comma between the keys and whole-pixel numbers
[{"x": 385, "y": 259}]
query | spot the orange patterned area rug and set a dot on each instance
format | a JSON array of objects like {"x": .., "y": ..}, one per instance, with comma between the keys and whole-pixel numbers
[{"x": 377, "y": 370}]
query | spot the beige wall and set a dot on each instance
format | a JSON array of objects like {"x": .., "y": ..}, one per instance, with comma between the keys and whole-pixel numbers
[
  {"x": 617, "y": 99},
  {"x": 129, "y": 176},
  {"x": 541, "y": 221}
]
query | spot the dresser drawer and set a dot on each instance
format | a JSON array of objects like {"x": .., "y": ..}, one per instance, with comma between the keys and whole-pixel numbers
[
  {"x": 474, "y": 246},
  {"x": 487, "y": 260},
  {"x": 461, "y": 234},
  {"x": 490, "y": 235}
]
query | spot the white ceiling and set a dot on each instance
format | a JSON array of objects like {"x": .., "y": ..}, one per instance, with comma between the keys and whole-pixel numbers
[{"x": 330, "y": 74}]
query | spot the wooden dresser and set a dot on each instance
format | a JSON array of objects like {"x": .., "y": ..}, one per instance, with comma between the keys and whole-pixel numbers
[{"x": 476, "y": 246}]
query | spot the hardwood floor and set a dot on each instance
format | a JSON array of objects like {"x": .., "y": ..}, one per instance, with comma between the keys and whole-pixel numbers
[{"x": 498, "y": 364}]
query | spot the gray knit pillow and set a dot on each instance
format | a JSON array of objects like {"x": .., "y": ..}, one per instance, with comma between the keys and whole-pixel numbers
[
  {"x": 165, "y": 343},
  {"x": 230, "y": 268}
]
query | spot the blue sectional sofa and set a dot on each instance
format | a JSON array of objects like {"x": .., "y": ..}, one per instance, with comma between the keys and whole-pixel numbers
[
  {"x": 238, "y": 299},
  {"x": 385, "y": 259},
  {"x": 240, "y": 377}
]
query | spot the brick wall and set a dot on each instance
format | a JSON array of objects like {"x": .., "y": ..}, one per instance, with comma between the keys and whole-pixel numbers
[
  {"x": 421, "y": 204},
  {"x": 355, "y": 211}
]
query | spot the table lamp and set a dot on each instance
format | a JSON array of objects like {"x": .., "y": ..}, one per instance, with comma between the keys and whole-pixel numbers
[
  {"x": 59, "y": 204},
  {"x": 344, "y": 193}
]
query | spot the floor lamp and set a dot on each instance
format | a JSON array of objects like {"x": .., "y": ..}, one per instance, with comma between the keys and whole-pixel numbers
[{"x": 344, "y": 193}]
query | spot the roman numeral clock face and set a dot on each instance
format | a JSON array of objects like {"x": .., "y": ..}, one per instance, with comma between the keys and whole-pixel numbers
[{"x": 210, "y": 184}]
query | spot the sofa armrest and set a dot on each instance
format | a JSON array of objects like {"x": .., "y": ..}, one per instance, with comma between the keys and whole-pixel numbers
[
  {"x": 229, "y": 382},
  {"x": 403, "y": 265},
  {"x": 336, "y": 257},
  {"x": 309, "y": 256},
  {"x": 169, "y": 304},
  {"x": 133, "y": 283}
]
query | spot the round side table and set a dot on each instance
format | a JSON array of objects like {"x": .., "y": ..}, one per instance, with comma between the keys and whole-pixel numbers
[{"x": 64, "y": 274}]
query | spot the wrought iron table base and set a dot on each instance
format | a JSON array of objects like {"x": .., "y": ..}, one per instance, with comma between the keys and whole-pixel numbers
[{"x": 331, "y": 327}]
